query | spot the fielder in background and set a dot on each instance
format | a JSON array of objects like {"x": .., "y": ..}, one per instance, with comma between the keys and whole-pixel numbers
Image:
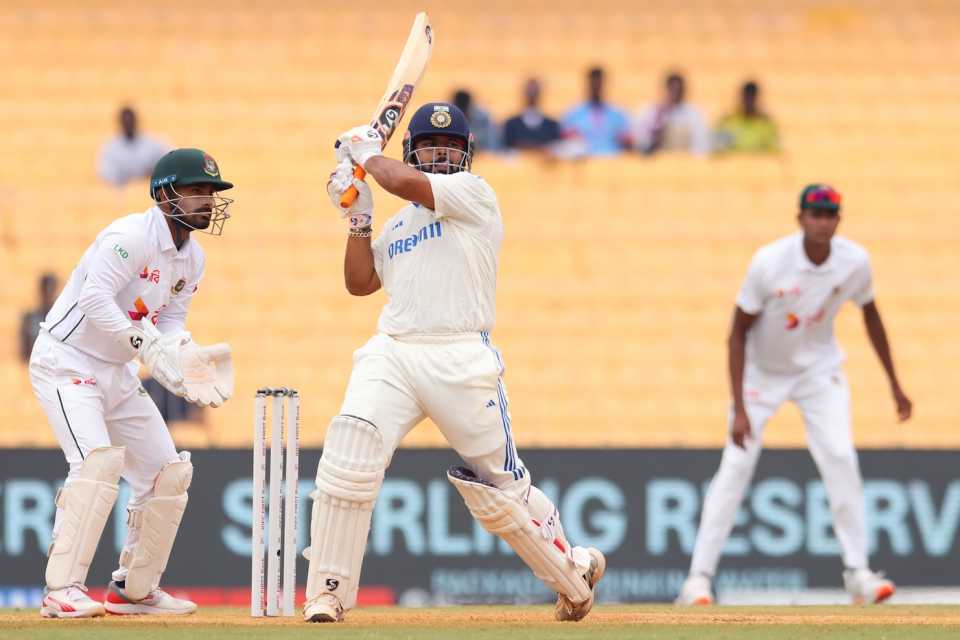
[
  {"x": 128, "y": 297},
  {"x": 432, "y": 357},
  {"x": 782, "y": 348}
]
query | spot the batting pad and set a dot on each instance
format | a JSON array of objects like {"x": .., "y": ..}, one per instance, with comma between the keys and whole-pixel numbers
[
  {"x": 552, "y": 560},
  {"x": 87, "y": 501},
  {"x": 348, "y": 480},
  {"x": 158, "y": 523}
]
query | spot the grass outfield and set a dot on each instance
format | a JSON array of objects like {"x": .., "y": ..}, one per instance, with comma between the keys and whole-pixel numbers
[{"x": 510, "y": 623}]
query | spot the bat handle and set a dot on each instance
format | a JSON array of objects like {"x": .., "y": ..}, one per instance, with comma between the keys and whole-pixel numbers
[{"x": 350, "y": 195}]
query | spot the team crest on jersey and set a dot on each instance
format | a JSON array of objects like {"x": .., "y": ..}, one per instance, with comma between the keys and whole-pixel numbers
[
  {"x": 441, "y": 118},
  {"x": 177, "y": 288},
  {"x": 210, "y": 166}
]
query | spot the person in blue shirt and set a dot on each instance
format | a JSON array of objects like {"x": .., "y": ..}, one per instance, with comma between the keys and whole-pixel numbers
[{"x": 603, "y": 129}]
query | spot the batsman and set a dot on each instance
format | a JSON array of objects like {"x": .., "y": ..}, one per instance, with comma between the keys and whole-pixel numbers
[
  {"x": 128, "y": 298},
  {"x": 431, "y": 357}
]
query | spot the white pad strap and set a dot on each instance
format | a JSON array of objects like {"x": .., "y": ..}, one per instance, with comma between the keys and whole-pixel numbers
[
  {"x": 158, "y": 521},
  {"x": 87, "y": 501},
  {"x": 348, "y": 480},
  {"x": 553, "y": 560}
]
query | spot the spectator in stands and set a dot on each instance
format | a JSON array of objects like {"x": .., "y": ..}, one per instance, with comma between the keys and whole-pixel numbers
[
  {"x": 129, "y": 155},
  {"x": 531, "y": 128},
  {"x": 673, "y": 124},
  {"x": 602, "y": 128},
  {"x": 748, "y": 128},
  {"x": 49, "y": 287},
  {"x": 485, "y": 134}
]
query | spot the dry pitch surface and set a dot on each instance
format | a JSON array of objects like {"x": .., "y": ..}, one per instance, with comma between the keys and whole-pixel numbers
[{"x": 515, "y": 623}]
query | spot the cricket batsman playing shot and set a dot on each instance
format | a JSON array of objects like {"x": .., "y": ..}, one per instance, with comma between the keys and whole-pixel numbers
[
  {"x": 431, "y": 357},
  {"x": 782, "y": 348},
  {"x": 128, "y": 298}
]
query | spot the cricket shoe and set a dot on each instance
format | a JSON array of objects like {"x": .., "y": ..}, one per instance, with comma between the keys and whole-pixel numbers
[
  {"x": 158, "y": 602},
  {"x": 70, "y": 602},
  {"x": 867, "y": 587},
  {"x": 696, "y": 591},
  {"x": 324, "y": 608},
  {"x": 567, "y": 611}
]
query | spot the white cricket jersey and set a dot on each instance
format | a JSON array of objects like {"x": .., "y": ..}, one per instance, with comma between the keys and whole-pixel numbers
[
  {"x": 131, "y": 271},
  {"x": 797, "y": 302},
  {"x": 439, "y": 268}
]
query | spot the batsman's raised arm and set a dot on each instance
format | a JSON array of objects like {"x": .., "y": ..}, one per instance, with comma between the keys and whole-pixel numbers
[
  {"x": 359, "y": 266},
  {"x": 362, "y": 145}
]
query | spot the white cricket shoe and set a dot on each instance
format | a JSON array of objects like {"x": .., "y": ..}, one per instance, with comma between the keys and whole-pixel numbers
[
  {"x": 70, "y": 602},
  {"x": 567, "y": 611},
  {"x": 867, "y": 587},
  {"x": 324, "y": 608},
  {"x": 696, "y": 591},
  {"x": 158, "y": 602}
]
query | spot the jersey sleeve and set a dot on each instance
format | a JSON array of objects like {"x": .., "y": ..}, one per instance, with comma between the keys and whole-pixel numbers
[
  {"x": 377, "y": 248},
  {"x": 753, "y": 291},
  {"x": 863, "y": 292},
  {"x": 174, "y": 316},
  {"x": 115, "y": 263},
  {"x": 464, "y": 197}
]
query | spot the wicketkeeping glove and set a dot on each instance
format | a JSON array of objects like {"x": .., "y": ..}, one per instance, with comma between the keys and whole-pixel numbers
[
  {"x": 207, "y": 373},
  {"x": 158, "y": 352}
]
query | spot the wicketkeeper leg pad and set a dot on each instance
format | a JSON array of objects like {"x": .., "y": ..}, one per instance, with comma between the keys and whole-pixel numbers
[
  {"x": 539, "y": 543},
  {"x": 154, "y": 528},
  {"x": 87, "y": 501},
  {"x": 349, "y": 477}
]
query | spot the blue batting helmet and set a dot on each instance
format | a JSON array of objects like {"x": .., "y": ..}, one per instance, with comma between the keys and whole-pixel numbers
[{"x": 438, "y": 119}]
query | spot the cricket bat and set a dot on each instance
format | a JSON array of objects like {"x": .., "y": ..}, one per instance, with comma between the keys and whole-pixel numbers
[{"x": 393, "y": 104}]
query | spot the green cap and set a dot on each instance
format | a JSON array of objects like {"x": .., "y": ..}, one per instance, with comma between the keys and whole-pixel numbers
[
  {"x": 182, "y": 167},
  {"x": 820, "y": 196}
]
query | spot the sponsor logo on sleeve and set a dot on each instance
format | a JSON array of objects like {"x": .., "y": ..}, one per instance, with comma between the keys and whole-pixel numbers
[{"x": 120, "y": 251}]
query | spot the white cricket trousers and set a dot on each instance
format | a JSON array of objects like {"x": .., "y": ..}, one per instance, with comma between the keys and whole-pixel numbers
[
  {"x": 91, "y": 403},
  {"x": 455, "y": 380},
  {"x": 824, "y": 400}
]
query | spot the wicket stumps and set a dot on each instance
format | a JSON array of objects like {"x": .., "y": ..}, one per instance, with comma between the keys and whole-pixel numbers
[{"x": 269, "y": 598}]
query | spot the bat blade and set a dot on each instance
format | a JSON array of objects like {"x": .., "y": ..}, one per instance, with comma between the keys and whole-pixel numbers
[{"x": 406, "y": 76}]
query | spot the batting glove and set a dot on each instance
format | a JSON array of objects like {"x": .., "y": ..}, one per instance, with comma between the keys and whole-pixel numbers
[
  {"x": 360, "y": 213},
  {"x": 362, "y": 143}
]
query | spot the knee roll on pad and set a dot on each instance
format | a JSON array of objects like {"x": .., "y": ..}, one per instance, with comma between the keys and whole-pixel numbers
[
  {"x": 158, "y": 523},
  {"x": 552, "y": 559},
  {"x": 87, "y": 501},
  {"x": 348, "y": 480}
]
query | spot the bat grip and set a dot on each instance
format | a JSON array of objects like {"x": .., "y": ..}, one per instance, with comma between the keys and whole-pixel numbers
[{"x": 350, "y": 195}]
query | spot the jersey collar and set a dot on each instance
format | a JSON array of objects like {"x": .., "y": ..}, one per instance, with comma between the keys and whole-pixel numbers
[
  {"x": 162, "y": 230},
  {"x": 803, "y": 260}
]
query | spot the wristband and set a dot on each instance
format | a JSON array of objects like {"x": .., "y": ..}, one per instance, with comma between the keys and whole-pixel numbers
[{"x": 362, "y": 232}]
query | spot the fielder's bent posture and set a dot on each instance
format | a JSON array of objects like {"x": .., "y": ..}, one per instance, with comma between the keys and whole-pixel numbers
[
  {"x": 129, "y": 297},
  {"x": 782, "y": 348},
  {"x": 432, "y": 356}
]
